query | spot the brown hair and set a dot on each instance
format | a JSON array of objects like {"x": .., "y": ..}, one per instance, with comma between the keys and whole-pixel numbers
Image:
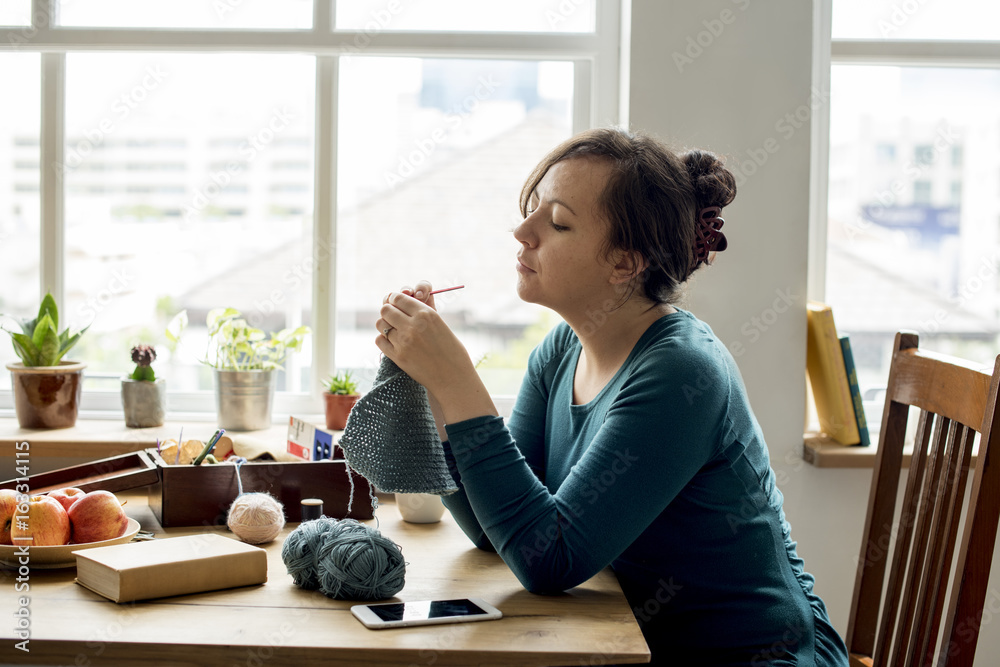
[{"x": 651, "y": 200}]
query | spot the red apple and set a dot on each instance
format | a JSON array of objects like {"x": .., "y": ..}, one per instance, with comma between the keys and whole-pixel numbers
[
  {"x": 44, "y": 524},
  {"x": 97, "y": 516},
  {"x": 67, "y": 496},
  {"x": 8, "y": 504}
]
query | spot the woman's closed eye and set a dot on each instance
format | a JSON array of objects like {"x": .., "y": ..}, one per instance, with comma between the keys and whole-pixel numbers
[{"x": 558, "y": 228}]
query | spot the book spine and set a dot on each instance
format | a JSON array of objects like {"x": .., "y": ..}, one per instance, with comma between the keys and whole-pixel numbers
[
  {"x": 832, "y": 391},
  {"x": 852, "y": 379}
]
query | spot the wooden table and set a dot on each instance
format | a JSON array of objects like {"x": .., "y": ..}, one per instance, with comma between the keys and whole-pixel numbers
[{"x": 278, "y": 623}]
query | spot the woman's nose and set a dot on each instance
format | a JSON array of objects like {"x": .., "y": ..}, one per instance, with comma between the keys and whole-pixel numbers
[{"x": 522, "y": 233}]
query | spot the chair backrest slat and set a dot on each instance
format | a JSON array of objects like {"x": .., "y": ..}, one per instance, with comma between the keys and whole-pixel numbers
[
  {"x": 915, "y": 571},
  {"x": 939, "y": 510},
  {"x": 894, "y": 590},
  {"x": 958, "y": 475},
  {"x": 902, "y": 619}
]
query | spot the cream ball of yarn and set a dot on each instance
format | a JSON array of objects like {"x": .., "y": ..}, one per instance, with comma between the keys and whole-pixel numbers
[{"x": 256, "y": 518}]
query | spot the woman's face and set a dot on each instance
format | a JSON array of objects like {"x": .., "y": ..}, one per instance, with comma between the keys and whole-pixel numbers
[{"x": 561, "y": 263}]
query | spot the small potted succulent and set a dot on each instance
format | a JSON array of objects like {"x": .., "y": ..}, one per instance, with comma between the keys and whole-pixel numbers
[
  {"x": 46, "y": 388},
  {"x": 144, "y": 396},
  {"x": 340, "y": 396}
]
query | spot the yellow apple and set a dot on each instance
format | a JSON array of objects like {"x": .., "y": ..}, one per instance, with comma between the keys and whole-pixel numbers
[{"x": 45, "y": 523}]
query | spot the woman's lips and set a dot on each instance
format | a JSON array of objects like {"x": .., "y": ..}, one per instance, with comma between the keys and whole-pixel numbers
[{"x": 521, "y": 268}]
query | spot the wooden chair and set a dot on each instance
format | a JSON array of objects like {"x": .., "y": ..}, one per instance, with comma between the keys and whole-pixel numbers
[{"x": 956, "y": 400}]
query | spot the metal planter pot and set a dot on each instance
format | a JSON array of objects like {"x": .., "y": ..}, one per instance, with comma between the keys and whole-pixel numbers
[
  {"x": 144, "y": 402},
  {"x": 47, "y": 396},
  {"x": 244, "y": 399}
]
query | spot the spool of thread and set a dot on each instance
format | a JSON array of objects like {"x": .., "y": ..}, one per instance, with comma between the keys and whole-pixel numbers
[
  {"x": 312, "y": 508},
  {"x": 256, "y": 518},
  {"x": 344, "y": 559}
]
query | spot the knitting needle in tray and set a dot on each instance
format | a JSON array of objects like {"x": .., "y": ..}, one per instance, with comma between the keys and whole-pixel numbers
[{"x": 447, "y": 289}]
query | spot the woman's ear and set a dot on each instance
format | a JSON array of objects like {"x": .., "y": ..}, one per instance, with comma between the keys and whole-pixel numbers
[{"x": 630, "y": 265}]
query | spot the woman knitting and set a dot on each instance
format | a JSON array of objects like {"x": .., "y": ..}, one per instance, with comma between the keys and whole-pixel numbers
[{"x": 632, "y": 442}]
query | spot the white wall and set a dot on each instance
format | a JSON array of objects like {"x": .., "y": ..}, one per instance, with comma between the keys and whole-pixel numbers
[{"x": 751, "y": 68}]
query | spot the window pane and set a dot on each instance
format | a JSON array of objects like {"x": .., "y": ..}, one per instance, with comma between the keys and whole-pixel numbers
[
  {"x": 915, "y": 19},
  {"x": 188, "y": 186},
  {"x": 19, "y": 203},
  {"x": 913, "y": 236},
  {"x": 511, "y": 16},
  {"x": 218, "y": 14},
  {"x": 15, "y": 12},
  {"x": 431, "y": 164}
]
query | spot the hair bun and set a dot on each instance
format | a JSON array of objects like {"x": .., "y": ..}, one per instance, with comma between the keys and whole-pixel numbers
[{"x": 714, "y": 185}]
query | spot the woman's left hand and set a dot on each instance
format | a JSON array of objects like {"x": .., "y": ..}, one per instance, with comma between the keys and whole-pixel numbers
[{"x": 416, "y": 338}]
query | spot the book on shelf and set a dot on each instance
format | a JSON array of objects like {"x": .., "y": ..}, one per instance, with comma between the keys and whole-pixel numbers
[
  {"x": 856, "y": 399},
  {"x": 828, "y": 376},
  {"x": 170, "y": 566}
]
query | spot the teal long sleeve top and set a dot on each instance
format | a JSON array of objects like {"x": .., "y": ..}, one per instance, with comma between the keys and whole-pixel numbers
[{"x": 665, "y": 476}]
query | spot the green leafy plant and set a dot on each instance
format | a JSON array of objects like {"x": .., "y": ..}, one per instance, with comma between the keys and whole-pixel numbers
[
  {"x": 143, "y": 356},
  {"x": 341, "y": 383},
  {"x": 234, "y": 345},
  {"x": 40, "y": 343}
]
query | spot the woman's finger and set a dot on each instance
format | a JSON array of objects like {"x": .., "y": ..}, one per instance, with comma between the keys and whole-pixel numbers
[
  {"x": 422, "y": 290},
  {"x": 403, "y": 303}
]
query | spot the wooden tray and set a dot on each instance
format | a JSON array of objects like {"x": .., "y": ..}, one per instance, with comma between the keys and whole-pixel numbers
[{"x": 115, "y": 473}]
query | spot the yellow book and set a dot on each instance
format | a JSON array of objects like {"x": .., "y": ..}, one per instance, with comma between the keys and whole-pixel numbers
[
  {"x": 170, "y": 566},
  {"x": 828, "y": 376}
]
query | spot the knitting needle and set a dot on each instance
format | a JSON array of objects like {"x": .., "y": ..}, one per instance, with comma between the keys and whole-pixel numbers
[
  {"x": 447, "y": 289},
  {"x": 180, "y": 440},
  {"x": 208, "y": 447}
]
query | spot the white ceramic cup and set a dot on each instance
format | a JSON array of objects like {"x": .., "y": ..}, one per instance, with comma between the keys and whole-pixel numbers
[{"x": 420, "y": 507}]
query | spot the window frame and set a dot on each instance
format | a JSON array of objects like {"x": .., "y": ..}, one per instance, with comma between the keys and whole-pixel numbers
[{"x": 595, "y": 57}]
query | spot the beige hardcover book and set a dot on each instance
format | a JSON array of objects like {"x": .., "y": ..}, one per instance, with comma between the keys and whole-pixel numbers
[{"x": 170, "y": 566}]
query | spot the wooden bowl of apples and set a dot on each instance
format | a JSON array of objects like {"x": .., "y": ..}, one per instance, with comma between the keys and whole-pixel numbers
[{"x": 43, "y": 531}]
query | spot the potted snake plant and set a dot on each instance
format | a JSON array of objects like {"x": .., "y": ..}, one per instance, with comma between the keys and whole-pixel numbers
[{"x": 46, "y": 387}]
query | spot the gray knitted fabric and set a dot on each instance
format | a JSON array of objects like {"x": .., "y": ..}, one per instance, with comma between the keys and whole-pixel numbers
[{"x": 391, "y": 439}]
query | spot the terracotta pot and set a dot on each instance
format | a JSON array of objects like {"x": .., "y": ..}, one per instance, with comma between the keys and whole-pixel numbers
[
  {"x": 47, "y": 396},
  {"x": 144, "y": 402},
  {"x": 338, "y": 407}
]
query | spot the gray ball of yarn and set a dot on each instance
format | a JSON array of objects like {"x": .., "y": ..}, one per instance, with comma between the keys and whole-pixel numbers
[
  {"x": 299, "y": 552},
  {"x": 344, "y": 559}
]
